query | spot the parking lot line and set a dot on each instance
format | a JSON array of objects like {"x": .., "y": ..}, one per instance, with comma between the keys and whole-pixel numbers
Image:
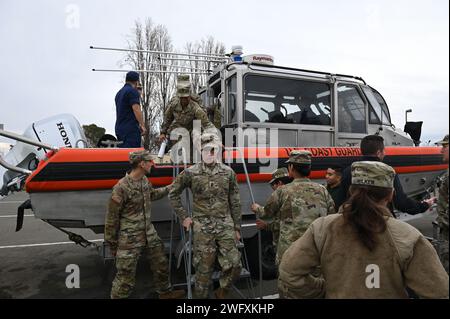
[
  {"x": 14, "y": 216},
  {"x": 45, "y": 244},
  {"x": 11, "y": 202}
]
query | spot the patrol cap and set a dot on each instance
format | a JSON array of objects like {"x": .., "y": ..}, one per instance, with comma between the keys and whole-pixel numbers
[
  {"x": 444, "y": 141},
  {"x": 279, "y": 173},
  {"x": 132, "y": 76},
  {"x": 370, "y": 173},
  {"x": 299, "y": 157},
  {"x": 183, "y": 91},
  {"x": 209, "y": 140},
  {"x": 139, "y": 156}
]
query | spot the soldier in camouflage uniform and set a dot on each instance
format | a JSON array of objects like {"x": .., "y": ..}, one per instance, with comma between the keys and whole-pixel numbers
[
  {"x": 298, "y": 203},
  {"x": 130, "y": 233},
  {"x": 280, "y": 177},
  {"x": 216, "y": 217},
  {"x": 363, "y": 252},
  {"x": 183, "y": 109},
  {"x": 442, "y": 217}
]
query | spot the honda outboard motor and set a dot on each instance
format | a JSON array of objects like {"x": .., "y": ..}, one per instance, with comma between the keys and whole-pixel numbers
[{"x": 62, "y": 130}]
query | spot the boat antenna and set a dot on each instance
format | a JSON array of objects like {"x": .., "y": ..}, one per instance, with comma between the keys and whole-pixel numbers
[
  {"x": 152, "y": 71},
  {"x": 199, "y": 55}
]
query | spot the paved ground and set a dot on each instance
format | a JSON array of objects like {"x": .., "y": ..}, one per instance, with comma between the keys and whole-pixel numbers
[{"x": 33, "y": 261}]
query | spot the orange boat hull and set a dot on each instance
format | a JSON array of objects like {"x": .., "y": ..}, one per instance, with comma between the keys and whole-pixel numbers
[{"x": 89, "y": 169}]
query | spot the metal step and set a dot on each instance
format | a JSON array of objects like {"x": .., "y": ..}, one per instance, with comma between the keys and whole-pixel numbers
[{"x": 244, "y": 274}]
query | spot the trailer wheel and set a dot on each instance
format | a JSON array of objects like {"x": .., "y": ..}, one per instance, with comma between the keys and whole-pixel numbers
[{"x": 269, "y": 268}]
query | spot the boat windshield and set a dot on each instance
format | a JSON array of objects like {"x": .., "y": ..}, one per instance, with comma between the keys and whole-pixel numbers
[
  {"x": 282, "y": 100},
  {"x": 379, "y": 109}
]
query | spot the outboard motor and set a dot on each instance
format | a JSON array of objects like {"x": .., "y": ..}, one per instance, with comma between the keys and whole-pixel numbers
[{"x": 62, "y": 130}]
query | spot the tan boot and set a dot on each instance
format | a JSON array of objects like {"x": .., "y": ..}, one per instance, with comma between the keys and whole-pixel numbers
[
  {"x": 172, "y": 294},
  {"x": 221, "y": 293}
]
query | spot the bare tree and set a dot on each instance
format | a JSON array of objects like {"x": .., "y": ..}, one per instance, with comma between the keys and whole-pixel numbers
[
  {"x": 158, "y": 79},
  {"x": 155, "y": 86},
  {"x": 165, "y": 80},
  {"x": 208, "y": 46}
]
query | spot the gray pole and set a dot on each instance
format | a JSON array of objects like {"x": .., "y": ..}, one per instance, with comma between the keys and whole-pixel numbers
[
  {"x": 151, "y": 71},
  {"x": 406, "y": 114},
  {"x": 253, "y": 202},
  {"x": 188, "y": 204},
  {"x": 14, "y": 168},
  {"x": 198, "y": 55},
  {"x": 27, "y": 140}
]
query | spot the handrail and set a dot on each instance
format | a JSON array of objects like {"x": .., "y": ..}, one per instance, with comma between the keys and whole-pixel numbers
[
  {"x": 27, "y": 140},
  {"x": 14, "y": 168},
  {"x": 253, "y": 202}
]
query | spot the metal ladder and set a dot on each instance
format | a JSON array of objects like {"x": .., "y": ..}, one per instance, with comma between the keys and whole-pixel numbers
[
  {"x": 245, "y": 275},
  {"x": 187, "y": 242},
  {"x": 239, "y": 150},
  {"x": 187, "y": 245}
]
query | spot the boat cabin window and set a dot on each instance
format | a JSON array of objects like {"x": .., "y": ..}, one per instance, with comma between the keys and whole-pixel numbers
[
  {"x": 378, "y": 107},
  {"x": 351, "y": 110},
  {"x": 212, "y": 102},
  {"x": 232, "y": 99},
  {"x": 278, "y": 100},
  {"x": 203, "y": 97}
]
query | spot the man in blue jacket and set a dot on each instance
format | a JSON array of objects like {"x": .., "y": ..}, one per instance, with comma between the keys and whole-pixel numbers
[{"x": 129, "y": 121}]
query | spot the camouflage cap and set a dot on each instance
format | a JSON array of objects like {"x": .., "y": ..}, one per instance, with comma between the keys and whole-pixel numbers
[
  {"x": 139, "y": 156},
  {"x": 299, "y": 157},
  {"x": 209, "y": 140},
  {"x": 279, "y": 173},
  {"x": 369, "y": 173},
  {"x": 444, "y": 141},
  {"x": 183, "y": 91}
]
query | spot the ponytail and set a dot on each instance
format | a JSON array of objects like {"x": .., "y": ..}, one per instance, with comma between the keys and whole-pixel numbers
[{"x": 365, "y": 214}]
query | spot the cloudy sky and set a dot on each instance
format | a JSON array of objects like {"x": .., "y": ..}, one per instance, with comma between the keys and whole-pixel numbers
[{"x": 400, "y": 47}]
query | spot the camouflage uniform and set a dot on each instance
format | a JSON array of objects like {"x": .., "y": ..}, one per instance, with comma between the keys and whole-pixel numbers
[
  {"x": 129, "y": 231},
  {"x": 442, "y": 217},
  {"x": 403, "y": 256},
  {"x": 298, "y": 205},
  {"x": 273, "y": 223},
  {"x": 216, "y": 217},
  {"x": 176, "y": 116},
  {"x": 194, "y": 97},
  {"x": 197, "y": 99}
]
